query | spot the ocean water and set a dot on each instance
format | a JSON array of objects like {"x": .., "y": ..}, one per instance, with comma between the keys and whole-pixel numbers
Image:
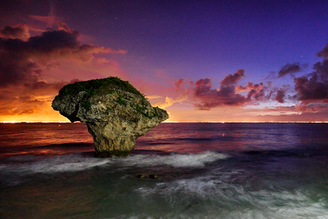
[{"x": 205, "y": 170}]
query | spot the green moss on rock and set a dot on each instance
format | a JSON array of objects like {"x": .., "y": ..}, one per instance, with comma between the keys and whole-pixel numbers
[
  {"x": 120, "y": 100},
  {"x": 99, "y": 86}
]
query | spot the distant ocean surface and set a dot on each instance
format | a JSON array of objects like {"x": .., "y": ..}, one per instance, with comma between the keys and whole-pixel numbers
[{"x": 205, "y": 170}]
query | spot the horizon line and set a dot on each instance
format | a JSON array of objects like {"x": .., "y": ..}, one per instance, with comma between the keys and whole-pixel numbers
[{"x": 19, "y": 122}]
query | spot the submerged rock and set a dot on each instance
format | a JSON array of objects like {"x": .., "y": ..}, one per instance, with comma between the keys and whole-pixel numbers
[
  {"x": 115, "y": 112},
  {"x": 147, "y": 175}
]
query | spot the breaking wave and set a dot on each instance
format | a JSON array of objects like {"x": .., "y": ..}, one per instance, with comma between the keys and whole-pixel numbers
[
  {"x": 214, "y": 197},
  {"x": 174, "y": 160},
  {"x": 27, "y": 165}
]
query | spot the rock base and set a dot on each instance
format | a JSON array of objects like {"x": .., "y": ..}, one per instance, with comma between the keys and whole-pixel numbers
[
  {"x": 109, "y": 141},
  {"x": 115, "y": 153}
]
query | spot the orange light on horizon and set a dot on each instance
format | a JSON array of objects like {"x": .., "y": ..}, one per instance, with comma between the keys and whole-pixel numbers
[{"x": 223, "y": 122}]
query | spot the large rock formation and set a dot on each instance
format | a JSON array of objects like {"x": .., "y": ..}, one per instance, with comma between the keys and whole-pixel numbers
[{"x": 115, "y": 112}]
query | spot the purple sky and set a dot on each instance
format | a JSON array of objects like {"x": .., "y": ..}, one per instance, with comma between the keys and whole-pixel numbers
[{"x": 275, "y": 43}]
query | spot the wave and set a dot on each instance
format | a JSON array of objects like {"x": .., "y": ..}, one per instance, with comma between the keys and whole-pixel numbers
[
  {"x": 77, "y": 162},
  {"x": 174, "y": 160},
  {"x": 213, "y": 197},
  {"x": 63, "y": 163}
]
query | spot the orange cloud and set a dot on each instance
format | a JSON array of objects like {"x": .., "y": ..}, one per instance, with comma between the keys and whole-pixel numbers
[{"x": 33, "y": 69}]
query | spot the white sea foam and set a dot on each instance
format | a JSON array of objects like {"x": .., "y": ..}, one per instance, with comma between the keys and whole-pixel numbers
[
  {"x": 63, "y": 163},
  {"x": 76, "y": 162},
  {"x": 68, "y": 163},
  {"x": 174, "y": 160},
  {"x": 215, "y": 198}
]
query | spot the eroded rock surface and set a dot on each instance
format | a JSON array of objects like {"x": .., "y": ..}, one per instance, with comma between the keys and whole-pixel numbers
[{"x": 115, "y": 112}]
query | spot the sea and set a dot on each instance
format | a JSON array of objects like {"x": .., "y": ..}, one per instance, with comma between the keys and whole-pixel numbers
[{"x": 177, "y": 170}]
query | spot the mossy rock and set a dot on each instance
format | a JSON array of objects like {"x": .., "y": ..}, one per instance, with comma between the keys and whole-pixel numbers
[
  {"x": 99, "y": 86},
  {"x": 115, "y": 112}
]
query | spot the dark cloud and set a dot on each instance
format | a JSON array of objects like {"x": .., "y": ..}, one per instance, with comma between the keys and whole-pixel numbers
[
  {"x": 211, "y": 98},
  {"x": 233, "y": 79},
  {"x": 24, "y": 61},
  {"x": 51, "y": 42},
  {"x": 228, "y": 93},
  {"x": 257, "y": 94},
  {"x": 249, "y": 86},
  {"x": 324, "y": 52},
  {"x": 280, "y": 95},
  {"x": 203, "y": 87},
  {"x": 15, "y": 68},
  {"x": 16, "y": 32},
  {"x": 255, "y": 91},
  {"x": 314, "y": 87},
  {"x": 289, "y": 69},
  {"x": 321, "y": 69},
  {"x": 310, "y": 89}
]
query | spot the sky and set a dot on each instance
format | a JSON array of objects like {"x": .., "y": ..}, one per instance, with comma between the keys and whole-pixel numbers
[{"x": 202, "y": 61}]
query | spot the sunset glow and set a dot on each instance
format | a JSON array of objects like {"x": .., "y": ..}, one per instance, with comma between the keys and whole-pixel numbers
[{"x": 202, "y": 61}]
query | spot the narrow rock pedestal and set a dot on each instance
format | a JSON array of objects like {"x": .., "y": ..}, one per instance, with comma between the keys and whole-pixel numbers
[{"x": 115, "y": 112}]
